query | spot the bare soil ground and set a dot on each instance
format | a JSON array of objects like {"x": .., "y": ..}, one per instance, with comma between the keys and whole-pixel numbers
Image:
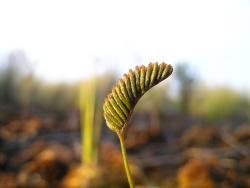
[{"x": 43, "y": 150}]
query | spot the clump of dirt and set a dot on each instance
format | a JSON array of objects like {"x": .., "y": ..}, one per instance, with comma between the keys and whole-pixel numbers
[
  {"x": 202, "y": 136},
  {"x": 47, "y": 168},
  {"x": 195, "y": 174}
]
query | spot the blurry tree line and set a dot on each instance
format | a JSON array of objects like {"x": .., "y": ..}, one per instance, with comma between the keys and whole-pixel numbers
[
  {"x": 212, "y": 103},
  {"x": 20, "y": 88}
]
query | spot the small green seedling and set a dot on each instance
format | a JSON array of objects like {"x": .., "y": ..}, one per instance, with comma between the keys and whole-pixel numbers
[{"x": 120, "y": 103}]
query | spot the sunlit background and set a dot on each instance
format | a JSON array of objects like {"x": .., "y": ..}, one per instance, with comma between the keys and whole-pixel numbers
[
  {"x": 63, "y": 38},
  {"x": 59, "y": 59}
]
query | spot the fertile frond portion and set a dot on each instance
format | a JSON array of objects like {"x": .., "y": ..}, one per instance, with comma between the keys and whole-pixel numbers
[{"x": 120, "y": 103}]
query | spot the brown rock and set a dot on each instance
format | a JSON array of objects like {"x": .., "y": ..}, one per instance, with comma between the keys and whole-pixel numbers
[{"x": 194, "y": 174}]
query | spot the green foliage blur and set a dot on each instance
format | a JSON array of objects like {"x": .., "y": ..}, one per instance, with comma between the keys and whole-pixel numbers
[
  {"x": 220, "y": 103},
  {"x": 157, "y": 99},
  {"x": 20, "y": 88},
  {"x": 27, "y": 91}
]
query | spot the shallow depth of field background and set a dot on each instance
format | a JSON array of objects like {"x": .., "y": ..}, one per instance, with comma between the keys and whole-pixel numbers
[{"x": 58, "y": 61}]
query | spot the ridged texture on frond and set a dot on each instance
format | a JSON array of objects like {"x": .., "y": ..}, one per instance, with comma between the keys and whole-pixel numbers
[{"x": 120, "y": 103}]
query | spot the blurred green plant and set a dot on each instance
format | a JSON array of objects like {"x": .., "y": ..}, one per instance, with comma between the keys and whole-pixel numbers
[
  {"x": 19, "y": 87},
  {"x": 10, "y": 74},
  {"x": 186, "y": 80},
  {"x": 120, "y": 103},
  {"x": 220, "y": 103},
  {"x": 158, "y": 100},
  {"x": 87, "y": 112},
  {"x": 90, "y": 102}
]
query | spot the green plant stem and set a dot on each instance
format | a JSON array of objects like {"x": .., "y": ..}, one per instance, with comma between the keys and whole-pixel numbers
[
  {"x": 87, "y": 112},
  {"x": 125, "y": 160}
]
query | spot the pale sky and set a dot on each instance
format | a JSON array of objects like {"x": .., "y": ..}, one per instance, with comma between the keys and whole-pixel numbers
[{"x": 64, "y": 38}]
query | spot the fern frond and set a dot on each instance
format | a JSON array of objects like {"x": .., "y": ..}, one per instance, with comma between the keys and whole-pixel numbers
[{"x": 119, "y": 104}]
